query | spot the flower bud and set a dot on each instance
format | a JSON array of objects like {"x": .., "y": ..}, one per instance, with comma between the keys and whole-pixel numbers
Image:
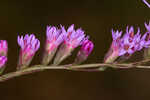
[{"x": 84, "y": 52}]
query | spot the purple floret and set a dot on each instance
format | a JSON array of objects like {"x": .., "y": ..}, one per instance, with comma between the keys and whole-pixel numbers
[
  {"x": 74, "y": 37},
  {"x": 29, "y": 41},
  {"x": 55, "y": 36},
  {"x": 129, "y": 42}
]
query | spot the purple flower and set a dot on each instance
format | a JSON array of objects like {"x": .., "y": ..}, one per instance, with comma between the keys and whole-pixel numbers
[
  {"x": 73, "y": 39},
  {"x": 125, "y": 45},
  {"x": 85, "y": 50},
  {"x": 3, "y": 60},
  {"x": 3, "y": 48},
  {"x": 29, "y": 45},
  {"x": 54, "y": 37},
  {"x": 128, "y": 42}
]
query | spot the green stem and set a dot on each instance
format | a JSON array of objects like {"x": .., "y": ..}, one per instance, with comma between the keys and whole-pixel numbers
[{"x": 85, "y": 67}]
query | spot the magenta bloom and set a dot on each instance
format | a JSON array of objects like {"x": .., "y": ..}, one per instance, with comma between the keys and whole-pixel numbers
[
  {"x": 29, "y": 45},
  {"x": 3, "y": 60},
  {"x": 85, "y": 51},
  {"x": 130, "y": 42},
  {"x": 54, "y": 37},
  {"x": 3, "y": 48},
  {"x": 73, "y": 39},
  {"x": 125, "y": 45}
]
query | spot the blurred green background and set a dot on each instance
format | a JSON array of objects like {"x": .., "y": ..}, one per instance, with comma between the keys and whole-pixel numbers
[{"x": 97, "y": 18}]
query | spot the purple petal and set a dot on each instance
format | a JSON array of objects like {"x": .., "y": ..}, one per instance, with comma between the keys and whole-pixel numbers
[{"x": 71, "y": 28}]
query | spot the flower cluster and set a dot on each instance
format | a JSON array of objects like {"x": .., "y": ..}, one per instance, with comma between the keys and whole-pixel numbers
[
  {"x": 55, "y": 37},
  {"x": 68, "y": 40},
  {"x": 129, "y": 43},
  {"x": 73, "y": 39}
]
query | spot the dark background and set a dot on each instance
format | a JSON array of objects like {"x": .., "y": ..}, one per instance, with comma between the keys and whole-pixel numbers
[{"x": 97, "y": 18}]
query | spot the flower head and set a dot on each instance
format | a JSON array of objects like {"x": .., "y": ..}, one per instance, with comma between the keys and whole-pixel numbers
[
  {"x": 125, "y": 45},
  {"x": 3, "y": 48},
  {"x": 29, "y": 45},
  {"x": 128, "y": 42},
  {"x": 85, "y": 51},
  {"x": 54, "y": 37},
  {"x": 147, "y": 26},
  {"x": 73, "y": 39}
]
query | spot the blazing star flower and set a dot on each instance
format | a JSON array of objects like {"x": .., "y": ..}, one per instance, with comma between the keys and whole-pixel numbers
[
  {"x": 3, "y": 48},
  {"x": 73, "y": 39},
  {"x": 3, "y": 60},
  {"x": 126, "y": 45},
  {"x": 115, "y": 46},
  {"x": 54, "y": 37},
  {"x": 85, "y": 51},
  {"x": 128, "y": 42},
  {"x": 29, "y": 45}
]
